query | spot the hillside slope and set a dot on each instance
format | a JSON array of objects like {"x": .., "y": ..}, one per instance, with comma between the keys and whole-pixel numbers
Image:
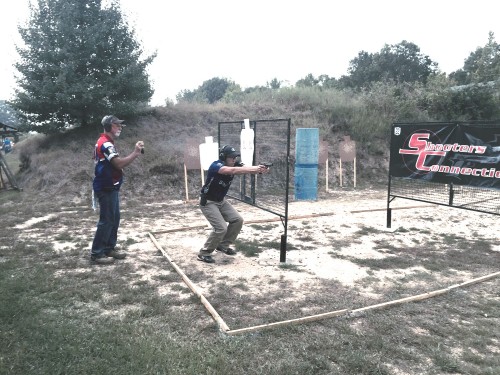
[{"x": 62, "y": 165}]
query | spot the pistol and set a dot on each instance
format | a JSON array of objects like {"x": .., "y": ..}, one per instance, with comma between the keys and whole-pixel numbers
[{"x": 267, "y": 165}]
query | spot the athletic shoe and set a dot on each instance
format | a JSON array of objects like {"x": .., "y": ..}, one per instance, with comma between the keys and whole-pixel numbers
[
  {"x": 206, "y": 258},
  {"x": 116, "y": 254},
  {"x": 101, "y": 260},
  {"x": 226, "y": 250}
]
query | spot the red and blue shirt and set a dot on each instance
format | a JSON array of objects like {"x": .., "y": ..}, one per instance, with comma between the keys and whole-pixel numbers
[{"x": 106, "y": 177}]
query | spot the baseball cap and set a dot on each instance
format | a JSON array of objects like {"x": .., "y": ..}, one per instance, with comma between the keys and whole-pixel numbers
[
  {"x": 111, "y": 119},
  {"x": 233, "y": 154},
  {"x": 229, "y": 152}
]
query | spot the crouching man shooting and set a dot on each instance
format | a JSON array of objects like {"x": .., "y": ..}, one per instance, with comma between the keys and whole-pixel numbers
[{"x": 216, "y": 209}]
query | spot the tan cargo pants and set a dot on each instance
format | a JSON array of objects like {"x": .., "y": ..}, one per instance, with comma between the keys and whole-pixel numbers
[{"x": 218, "y": 214}]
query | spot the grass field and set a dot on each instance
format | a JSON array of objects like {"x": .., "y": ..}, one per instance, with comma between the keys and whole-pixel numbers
[{"x": 60, "y": 315}]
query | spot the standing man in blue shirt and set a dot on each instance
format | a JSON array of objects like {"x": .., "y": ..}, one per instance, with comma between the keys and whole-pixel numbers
[
  {"x": 107, "y": 182},
  {"x": 217, "y": 209},
  {"x": 7, "y": 145}
]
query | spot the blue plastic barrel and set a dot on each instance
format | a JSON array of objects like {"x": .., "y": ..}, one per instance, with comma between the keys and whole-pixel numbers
[{"x": 306, "y": 163}]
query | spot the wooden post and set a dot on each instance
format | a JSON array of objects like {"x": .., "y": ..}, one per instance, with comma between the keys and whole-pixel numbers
[
  {"x": 326, "y": 174},
  {"x": 186, "y": 182},
  {"x": 354, "y": 171},
  {"x": 340, "y": 162}
]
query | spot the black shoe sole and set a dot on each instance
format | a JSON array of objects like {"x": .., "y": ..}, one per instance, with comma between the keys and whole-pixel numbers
[
  {"x": 226, "y": 252},
  {"x": 204, "y": 260},
  {"x": 118, "y": 257}
]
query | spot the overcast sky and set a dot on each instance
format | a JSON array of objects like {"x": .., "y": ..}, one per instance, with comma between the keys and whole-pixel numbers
[{"x": 252, "y": 42}]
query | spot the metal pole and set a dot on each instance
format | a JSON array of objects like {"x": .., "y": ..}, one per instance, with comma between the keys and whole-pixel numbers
[{"x": 287, "y": 191}]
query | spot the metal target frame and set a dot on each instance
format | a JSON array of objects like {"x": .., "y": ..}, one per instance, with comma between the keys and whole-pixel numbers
[{"x": 269, "y": 192}]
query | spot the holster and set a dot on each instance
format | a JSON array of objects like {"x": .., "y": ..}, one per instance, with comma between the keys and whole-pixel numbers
[{"x": 203, "y": 199}]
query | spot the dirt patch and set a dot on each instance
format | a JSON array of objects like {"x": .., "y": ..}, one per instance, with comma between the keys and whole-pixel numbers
[{"x": 327, "y": 240}]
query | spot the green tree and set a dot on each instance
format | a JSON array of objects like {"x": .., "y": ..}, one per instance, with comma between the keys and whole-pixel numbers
[
  {"x": 308, "y": 81},
  {"x": 186, "y": 95},
  {"x": 362, "y": 71},
  {"x": 467, "y": 102},
  {"x": 215, "y": 88},
  {"x": 323, "y": 81},
  {"x": 274, "y": 84},
  {"x": 401, "y": 62},
  {"x": 79, "y": 61},
  {"x": 327, "y": 82},
  {"x": 8, "y": 115},
  {"x": 482, "y": 65},
  {"x": 210, "y": 91}
]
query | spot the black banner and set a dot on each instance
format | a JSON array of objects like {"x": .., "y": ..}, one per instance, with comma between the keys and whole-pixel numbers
[{"x": 458, "y": 153}]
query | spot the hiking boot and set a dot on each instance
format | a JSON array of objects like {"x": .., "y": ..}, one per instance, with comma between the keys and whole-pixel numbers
[
  {"x": 116, "y": 254},
  {"x": 226, "y": 250},
  {"x": 101, "y": 260},
  {"x": 206, "y": 258}
]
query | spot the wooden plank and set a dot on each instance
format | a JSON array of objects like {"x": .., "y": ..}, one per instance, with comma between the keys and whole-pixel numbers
[
  {"x": 427, "y": 295},
  {"x": 222, "y": 325},
  {"x": 305, "y": 319},
  {"x": 256, "y": 221}
]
